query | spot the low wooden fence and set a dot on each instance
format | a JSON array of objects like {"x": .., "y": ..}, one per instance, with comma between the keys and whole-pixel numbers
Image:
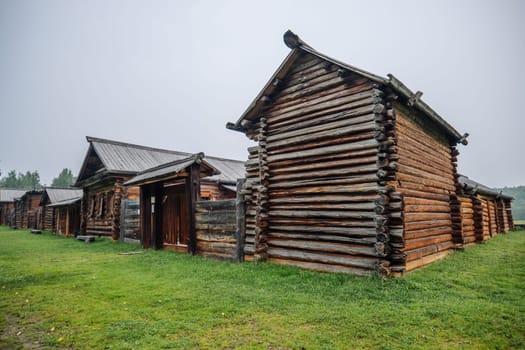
[
  {"x": 130, "y": 221},
  {"x": 220, "y": 229}
]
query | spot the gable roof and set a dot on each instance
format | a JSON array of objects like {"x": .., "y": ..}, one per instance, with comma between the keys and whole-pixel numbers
[
  {"x": 171, "y": 170},
  {"x": 125, "y": 158},
  {"x": 298, "y": 47},
  {"x": 53, "y": 195},
  {"x": 471, "y": 186},
  {"x": 8, "y": 195}
]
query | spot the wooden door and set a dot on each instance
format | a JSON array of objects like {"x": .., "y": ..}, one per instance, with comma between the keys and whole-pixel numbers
[{"x": 174, "y": 219}]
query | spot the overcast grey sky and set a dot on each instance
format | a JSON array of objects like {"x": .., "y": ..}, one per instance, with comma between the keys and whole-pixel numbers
[{"x": 170, "y": 74}]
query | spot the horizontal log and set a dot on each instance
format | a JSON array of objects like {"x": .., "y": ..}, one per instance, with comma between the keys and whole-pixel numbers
[
  {"x": 293, "y": 124},
  {"x": 424, "y": 182},
  {"x": 327, "y": 132},
  {"x": 227, "y": 237},
  {"x": 322, "y": 214},
  {"x": 349, "y": 102},
  {"x": 426, "y": 241},
  {"x": 325, "y": 258},
  {"x": 291, "y": 197},
  {"x": 322, "y": 223},
  {"x": 323, "y": 205},
  {"x": 325, "y": 165},
  {"x": 316, "y": 89},
  {"x": 321, "y": 237},
  {"x": 282, "y": 101},
  {"x": 347, "y": 180},
  {"x": 347, "y": 189},
  {"x": 427, "y": 260},
  {"x": 427, "y": 208},
  {"x": 323, "y": 267},
  {"x": 365, "y": 169},
  {"x": 412, "y": 226},
  {"x": 325, "y": 157},
  {"x": 415, "y": 217},
  {"x": 413, "y": 234},
  {"x": 324, "y": 230},
  {"x": 329, "y": 247}
]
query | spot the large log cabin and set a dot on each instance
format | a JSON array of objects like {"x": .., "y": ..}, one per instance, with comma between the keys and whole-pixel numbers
[
  {"x": 351, "y": 172},
  {"x": 61, "y": 210},
  {"x": 109, "y": 164},
  {"x": 7, "y": 205}
]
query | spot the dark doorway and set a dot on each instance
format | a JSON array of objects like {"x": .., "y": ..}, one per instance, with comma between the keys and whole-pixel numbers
[{"x": 175, "y": 217}]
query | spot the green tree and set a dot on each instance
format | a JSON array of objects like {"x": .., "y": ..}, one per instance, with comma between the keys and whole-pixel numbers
[
  {"x": 29, "y": 180},
  {"x": 64, "y": 179}
]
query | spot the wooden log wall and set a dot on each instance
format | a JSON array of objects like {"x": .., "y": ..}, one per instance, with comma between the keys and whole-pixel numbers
[
  {"x": 426, "y": 177},
  {"x": 503, "y": 218},
  {"x": 216, "y": 225},
  {"x": 210, "y": 190},
  {"x": 477, "y": 206},
  {"x": 315, "y": 188},
  {"x": 485, "y": 218},
  {"x": 468, "y": 233},
  {"x": 493, "y": 217}
]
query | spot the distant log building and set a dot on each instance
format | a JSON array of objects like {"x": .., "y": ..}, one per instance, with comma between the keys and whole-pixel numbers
[
  {"x": 61, "y": 210},
  {"x": 352, "y": 172},
  {"x": 165, "y": 184},
  {"x": 7, "y": 205}
]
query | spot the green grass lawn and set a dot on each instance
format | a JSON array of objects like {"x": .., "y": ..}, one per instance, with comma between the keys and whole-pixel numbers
[{"x": 61, "y": 293}]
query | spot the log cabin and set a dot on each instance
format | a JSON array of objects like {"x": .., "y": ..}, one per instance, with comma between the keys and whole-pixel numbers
[
  {"x": 7, "y": 205},
  {"x": 61, "y": 210},
  {"x": 109, "y": 164},
  {"x": 28, "y": 210},
  {"x": 485, "y": 212},
  {"x": 351, "y": 172}
]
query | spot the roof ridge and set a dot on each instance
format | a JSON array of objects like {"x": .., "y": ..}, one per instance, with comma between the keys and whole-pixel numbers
[{"x": 91, "y": 139}]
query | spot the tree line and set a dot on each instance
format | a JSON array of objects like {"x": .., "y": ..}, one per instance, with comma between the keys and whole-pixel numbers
[{"x": 31, "y": 180}]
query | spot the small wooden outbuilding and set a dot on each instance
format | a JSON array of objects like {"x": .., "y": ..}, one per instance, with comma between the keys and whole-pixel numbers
[
  {"x": 27, "y": 209},
  {"x": 109, "y": 164},
  {"x": 7, "y": 205},
  {"x": 61, "y": 210},
  {"x": 351, "y": 172}
]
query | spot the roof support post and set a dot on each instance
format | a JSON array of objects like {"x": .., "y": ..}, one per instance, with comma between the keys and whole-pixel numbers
[{"x": 192, "y": 195}]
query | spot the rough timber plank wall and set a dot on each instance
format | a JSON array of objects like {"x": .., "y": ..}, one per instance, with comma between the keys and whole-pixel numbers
[
  {"x": 426, "y": 179},
  {"x": 312, "y": 181},
  {"x": 49, "y": 214},
  {"x": 216, "y": 224}
]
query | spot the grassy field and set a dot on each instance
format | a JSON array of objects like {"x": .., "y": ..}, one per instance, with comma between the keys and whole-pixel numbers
[{"x": 62, "y": 293}]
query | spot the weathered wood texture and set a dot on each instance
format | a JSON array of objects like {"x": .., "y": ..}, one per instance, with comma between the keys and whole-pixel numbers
[
  {"x": 28, "y": 210},
  {"x": 130, "y": 220},
  {"x": 312, "y": 182},
  {"x": 101, "y": 208},
  {"x": 67, "y": 220},
  {"x": 426, "y": 178},
  {"x": 210, "y": 190},
  {"x": 216, "y": 225},
  {"x": 6, "y": 209}
]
